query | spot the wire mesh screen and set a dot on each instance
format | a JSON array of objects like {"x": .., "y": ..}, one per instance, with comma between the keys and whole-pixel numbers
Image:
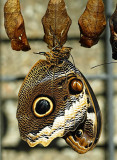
[{"x": 103, "y": 80}]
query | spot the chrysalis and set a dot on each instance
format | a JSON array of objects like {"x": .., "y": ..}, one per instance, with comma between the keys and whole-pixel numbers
[
  {"x": 113, "y": 32},
  {"x": 14, "y": 25},
  {"x": 56, "y": 23},
  {"x": 92, "y": 23}
]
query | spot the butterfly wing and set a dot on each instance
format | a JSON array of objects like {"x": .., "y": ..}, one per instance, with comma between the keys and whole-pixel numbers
[{"x": 50, "y": 104}]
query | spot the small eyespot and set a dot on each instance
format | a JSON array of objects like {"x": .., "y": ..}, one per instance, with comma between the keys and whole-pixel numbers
[
  {"x": 86, "y": 146},
  {"x": 76, "y": 86},
  {"x": 42, "y": 106},
  {"x": 79, "y": 133}
]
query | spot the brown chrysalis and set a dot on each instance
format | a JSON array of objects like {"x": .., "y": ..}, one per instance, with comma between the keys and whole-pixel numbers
[
  {"x": 14, "y": 25},
  {"x": 92, "y": 23},
  {"x": 56, "y": 23},
  {"x": 113, "y": 31}
]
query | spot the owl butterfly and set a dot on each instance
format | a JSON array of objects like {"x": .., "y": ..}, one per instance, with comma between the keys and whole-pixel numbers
[
  {"x": 92, "y": 23},
  {"x": 55, "y": 99},
  {"x": 14, "y": 25},
  {"x": 113, "y": 30}
]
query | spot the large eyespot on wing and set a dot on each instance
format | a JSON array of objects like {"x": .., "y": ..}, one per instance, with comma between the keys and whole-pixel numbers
[
  {"x": 42, "y": 106},
  {"x": 85, "y": 137}
]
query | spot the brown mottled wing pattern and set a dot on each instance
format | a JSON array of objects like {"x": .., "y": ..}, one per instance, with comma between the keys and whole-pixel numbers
[
  {"x": 71, "y": 112},
  {"x": 56, "y": 23},
  {"x": 113, "y": 31},
  {"x": 92, "y": 23},
  {"x": 14, "y": 25}
]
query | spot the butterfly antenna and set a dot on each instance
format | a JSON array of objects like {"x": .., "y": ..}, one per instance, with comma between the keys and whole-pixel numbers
[{"x": 102, "y": 64}]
